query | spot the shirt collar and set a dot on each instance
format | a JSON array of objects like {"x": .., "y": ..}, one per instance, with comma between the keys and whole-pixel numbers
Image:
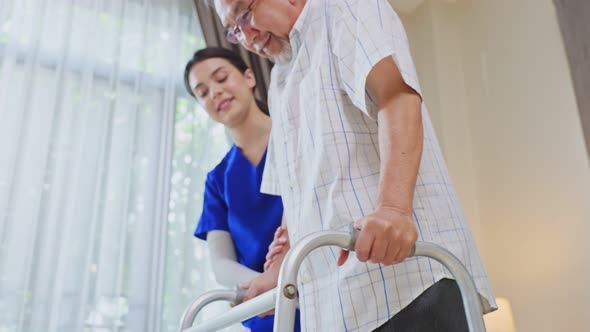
[{"x": 301, "y": 25}]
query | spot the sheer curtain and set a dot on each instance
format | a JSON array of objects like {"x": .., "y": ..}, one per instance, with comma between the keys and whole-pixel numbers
[{"x": 102, "y": 156}]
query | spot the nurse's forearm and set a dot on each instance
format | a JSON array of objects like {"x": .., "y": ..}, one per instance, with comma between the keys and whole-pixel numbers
[{"x": 228, "y": 271}]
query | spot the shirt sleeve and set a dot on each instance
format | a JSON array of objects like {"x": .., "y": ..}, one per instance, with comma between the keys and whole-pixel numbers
[
  {"x": 214, "y": 215},
  {"x": 363, "y": 35},
  {"x": 228, "y": 271},
  {"x": 270, "y": 181}
]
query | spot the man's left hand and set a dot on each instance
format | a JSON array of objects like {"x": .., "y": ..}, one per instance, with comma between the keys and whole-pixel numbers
[{"x": 387, "y": 237}]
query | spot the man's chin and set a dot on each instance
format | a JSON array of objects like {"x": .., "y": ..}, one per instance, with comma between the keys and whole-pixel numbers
[{"x": 283, "y": 55}]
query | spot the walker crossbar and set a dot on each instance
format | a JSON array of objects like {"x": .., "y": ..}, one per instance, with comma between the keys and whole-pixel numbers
[
  {"x": 239, "y": 313},
  {"x": 189, "y": 315},
  {"x": 285, "y": 294}
]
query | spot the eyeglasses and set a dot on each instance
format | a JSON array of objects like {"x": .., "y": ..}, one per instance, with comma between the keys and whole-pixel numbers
[{"x": 234, "y": 35}]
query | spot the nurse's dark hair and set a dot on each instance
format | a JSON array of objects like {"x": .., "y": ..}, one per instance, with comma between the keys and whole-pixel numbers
[{"x": 222, "y": 53}]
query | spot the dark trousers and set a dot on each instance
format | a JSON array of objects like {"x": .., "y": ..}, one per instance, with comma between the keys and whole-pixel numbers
[{"x": 438, "y": 309}]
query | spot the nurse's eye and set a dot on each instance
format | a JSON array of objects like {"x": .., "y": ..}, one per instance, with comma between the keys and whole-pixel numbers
[{"x": 202, "y": 93}]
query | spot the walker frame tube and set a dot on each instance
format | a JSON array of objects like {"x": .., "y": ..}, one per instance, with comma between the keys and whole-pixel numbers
[
  {"x": 256, "y": 306},
  {"x": 284, "y": 297},
  {"x": 189, "y": 315},
  {"x": 471, "y": 299},
  {"x": 287, "y": 285}
]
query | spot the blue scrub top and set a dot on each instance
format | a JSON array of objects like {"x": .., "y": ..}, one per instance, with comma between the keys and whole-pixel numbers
[{"x": 233, "y": 202}]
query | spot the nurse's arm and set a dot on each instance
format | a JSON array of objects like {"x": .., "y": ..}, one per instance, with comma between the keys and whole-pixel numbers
[{"x": 228, "y": 271}]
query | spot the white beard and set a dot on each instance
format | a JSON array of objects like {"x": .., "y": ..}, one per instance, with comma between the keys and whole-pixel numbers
[{"x": 283, "y": 56}]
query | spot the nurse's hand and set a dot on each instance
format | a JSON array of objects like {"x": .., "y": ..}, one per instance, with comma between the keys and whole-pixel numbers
[
  {"x": 261, "y": 284},
  {"x": 387, "y": 237},
  {"x": 278, "y": 246}
]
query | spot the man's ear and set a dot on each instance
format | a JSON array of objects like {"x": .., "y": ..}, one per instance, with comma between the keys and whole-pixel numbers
[{"x": 250, "y": 78}]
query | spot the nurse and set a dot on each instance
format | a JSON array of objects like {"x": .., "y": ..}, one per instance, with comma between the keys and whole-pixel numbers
[{"x": 237, "y": 221}]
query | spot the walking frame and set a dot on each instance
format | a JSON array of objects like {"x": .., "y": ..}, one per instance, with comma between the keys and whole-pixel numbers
[{"x": 284, "y": 298}]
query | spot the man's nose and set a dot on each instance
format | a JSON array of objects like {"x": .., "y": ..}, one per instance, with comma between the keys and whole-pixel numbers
[{"x": 250, "y": 35}]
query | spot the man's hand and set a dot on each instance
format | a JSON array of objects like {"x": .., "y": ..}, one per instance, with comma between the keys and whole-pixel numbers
[
  {"x": 278, "y": 246},
  {"x": 387, "y": 237},
  {"x": 262, "y": 283}
]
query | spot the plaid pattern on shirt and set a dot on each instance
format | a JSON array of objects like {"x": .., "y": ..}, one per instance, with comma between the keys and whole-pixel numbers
[{"x": 323, "y": 159}]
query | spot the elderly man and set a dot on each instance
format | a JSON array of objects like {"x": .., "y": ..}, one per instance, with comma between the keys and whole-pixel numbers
[{"x": 352, "y": 142}]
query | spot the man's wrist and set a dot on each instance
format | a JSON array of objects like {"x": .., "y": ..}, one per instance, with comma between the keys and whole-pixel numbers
[{"x": 391, "y": 208}]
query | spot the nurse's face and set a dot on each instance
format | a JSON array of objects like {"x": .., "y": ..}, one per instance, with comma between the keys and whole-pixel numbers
[{"x": 224, "y": 91}]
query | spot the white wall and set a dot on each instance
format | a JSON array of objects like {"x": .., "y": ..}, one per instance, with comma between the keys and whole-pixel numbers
[
  {"x": 495, "y": 77},
  {"x": 438, "y": 56}
]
